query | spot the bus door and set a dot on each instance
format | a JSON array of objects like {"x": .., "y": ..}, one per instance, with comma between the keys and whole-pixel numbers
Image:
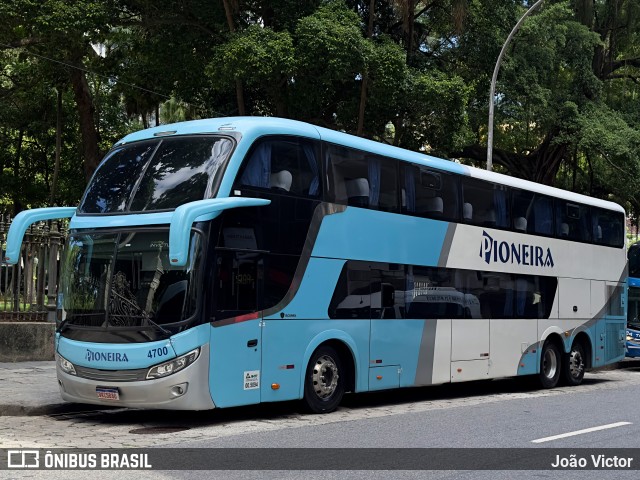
[{"x": 236, "y": 337}]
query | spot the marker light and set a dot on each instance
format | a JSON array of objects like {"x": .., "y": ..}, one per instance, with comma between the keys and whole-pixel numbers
[
  {"x": 65, "y": 365},
  {"x": 172, "y": 366}
]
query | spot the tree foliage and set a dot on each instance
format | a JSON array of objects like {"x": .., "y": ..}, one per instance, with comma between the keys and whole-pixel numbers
[{"x": 412, "y": 73}]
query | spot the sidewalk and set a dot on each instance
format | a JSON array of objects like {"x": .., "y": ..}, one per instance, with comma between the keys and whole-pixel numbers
[{"x": 30, "y": 388}]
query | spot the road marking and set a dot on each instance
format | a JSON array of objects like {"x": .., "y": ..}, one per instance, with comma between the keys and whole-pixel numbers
[{"x": 580, "y": 432}]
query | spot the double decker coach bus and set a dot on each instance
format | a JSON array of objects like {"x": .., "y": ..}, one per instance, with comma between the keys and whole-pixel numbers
[
  {"x": 633, "y": 308},
  {"x": 232, "y": 261}
]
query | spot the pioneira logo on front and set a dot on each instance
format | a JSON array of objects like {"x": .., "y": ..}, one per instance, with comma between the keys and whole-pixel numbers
[
  {"x": 496, "y": 251},
  {"x": 106, "y": 357}
]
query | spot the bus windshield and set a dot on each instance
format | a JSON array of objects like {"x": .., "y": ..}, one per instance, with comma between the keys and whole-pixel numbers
[
  {"x": 160, "y": 174},
  {"x": 124, "y": 280}
]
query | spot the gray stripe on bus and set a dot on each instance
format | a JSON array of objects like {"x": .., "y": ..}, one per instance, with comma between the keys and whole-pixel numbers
[
  {"x": 424, "y": 371},
  {"x": 446, "y": 245}
]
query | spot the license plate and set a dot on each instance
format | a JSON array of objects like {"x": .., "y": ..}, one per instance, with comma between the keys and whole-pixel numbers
[{"x": 108, "y": 393}]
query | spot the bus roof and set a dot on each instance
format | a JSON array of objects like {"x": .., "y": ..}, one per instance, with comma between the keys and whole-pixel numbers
[{"x": 254, "y": 127}]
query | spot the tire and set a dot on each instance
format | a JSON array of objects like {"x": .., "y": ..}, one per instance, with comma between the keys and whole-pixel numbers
[
  {"x": 550, "y": 365},
  {"x": 324, "y": 383},
  {"x": 573, "y": 365}
]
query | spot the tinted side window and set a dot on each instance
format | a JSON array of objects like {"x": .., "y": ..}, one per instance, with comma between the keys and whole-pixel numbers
[
  {"x": 280, "y": 227},
  {"x": 351, "y": 297},
  {"x": 387, "y": 291},
  {"x": 361, "y": 179},
  {"x": 429, "y": 193},
  {"x": 608, "y": 227},
  {"x": 431, "y": 293},
  {"x": 415, "y": 292},
  {"x": 236, "y": 286},
  {"x": 572, "y": 221},
  {"x": 496, "y": 295},
  {"x": 285, "y": 165},
  {"x": 530, "y": 296},
  {"x": 485, "y": 204},
  {"x": 532, "y": 213}
]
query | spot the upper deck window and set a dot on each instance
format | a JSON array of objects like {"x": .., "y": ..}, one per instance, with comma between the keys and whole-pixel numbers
[
  {"x": 485, "y": 204},
  {"x": 361, "y": 179},
  {"x": 607, "y": 227},
  {"x": 532, "y": 213},
  {"x": 286, "y": 165},
  {"x": 429, "y": 193},
  {"x": 157, "y": 175},
  {"x": 572, "y": 221}
]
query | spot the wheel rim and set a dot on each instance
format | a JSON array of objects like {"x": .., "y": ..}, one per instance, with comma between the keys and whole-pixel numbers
[
  {"x": 550, "y": 364},
  {"x": 325, "y": 377},
  {"x": 576, "y": 364}
]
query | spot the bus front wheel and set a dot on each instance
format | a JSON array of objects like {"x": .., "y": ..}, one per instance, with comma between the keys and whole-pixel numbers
[
  {"x": 573, "y": 365},
  {"x": 550, "y": 365},
  {"x": 324, "y": 383}
]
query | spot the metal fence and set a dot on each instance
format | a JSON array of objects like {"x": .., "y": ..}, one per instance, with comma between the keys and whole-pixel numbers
[{"x": 29, "y": 289}]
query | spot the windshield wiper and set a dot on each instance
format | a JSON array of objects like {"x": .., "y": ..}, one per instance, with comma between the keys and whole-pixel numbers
[
  {"x": 63, "y": 325},
  {"x": 158, "y": 327}
]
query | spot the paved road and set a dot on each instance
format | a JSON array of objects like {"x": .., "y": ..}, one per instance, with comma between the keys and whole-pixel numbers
[{"x": 503, "y": 413}]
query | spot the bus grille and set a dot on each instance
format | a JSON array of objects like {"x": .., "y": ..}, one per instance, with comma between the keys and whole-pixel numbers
[{"x": 112, "y": 375}]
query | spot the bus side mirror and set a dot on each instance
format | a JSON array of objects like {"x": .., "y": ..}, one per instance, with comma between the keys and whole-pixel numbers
[{"x": 388, "y": 293}]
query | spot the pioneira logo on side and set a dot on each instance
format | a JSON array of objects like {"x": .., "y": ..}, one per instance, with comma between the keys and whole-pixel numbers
[{"x": 495, "y": 251}]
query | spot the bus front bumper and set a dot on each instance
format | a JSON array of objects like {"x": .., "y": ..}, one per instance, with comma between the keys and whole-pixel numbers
[{"x": 187, "y": 389}]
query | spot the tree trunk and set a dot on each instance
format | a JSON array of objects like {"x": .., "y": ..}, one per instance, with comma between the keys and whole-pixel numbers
[
  {"x": 17, "y": 205},
  {"x": 539, "y": 166},
  {"x": 86, "y": 112},
  {"x": 56, "y": 168},
  {"x": 228, "y": 11},
  {"x": 411, "y": 14},
  {"x": 365, "y": 75}
]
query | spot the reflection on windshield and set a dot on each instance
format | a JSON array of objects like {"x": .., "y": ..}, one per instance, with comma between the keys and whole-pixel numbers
[
  {"x": 157, "y": 175},
  {"x": 126, "y": 280}
]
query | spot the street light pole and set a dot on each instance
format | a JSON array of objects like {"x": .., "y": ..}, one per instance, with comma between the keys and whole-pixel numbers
[{"x": 492, "y": 90}]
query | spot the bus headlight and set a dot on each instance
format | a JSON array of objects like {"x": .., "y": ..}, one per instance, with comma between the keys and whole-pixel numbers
[
  {"x": 65, "y": 365},
  {"x": 172, "y": 366}
]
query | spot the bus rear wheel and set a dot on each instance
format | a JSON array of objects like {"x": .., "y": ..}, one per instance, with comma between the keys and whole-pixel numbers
[
  {"x": 573, "y": 365},
  {"x": 324, "y": 383},
  {"x": 550, "y": 365}
]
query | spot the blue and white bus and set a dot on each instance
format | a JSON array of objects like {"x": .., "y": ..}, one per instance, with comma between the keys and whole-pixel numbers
[
  {"x": 233, "y": 261},
  {"x": 633, "y": 310}
]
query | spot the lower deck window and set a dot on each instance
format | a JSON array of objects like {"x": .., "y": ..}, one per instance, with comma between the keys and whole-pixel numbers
[{"x": 373, "y": 290}]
